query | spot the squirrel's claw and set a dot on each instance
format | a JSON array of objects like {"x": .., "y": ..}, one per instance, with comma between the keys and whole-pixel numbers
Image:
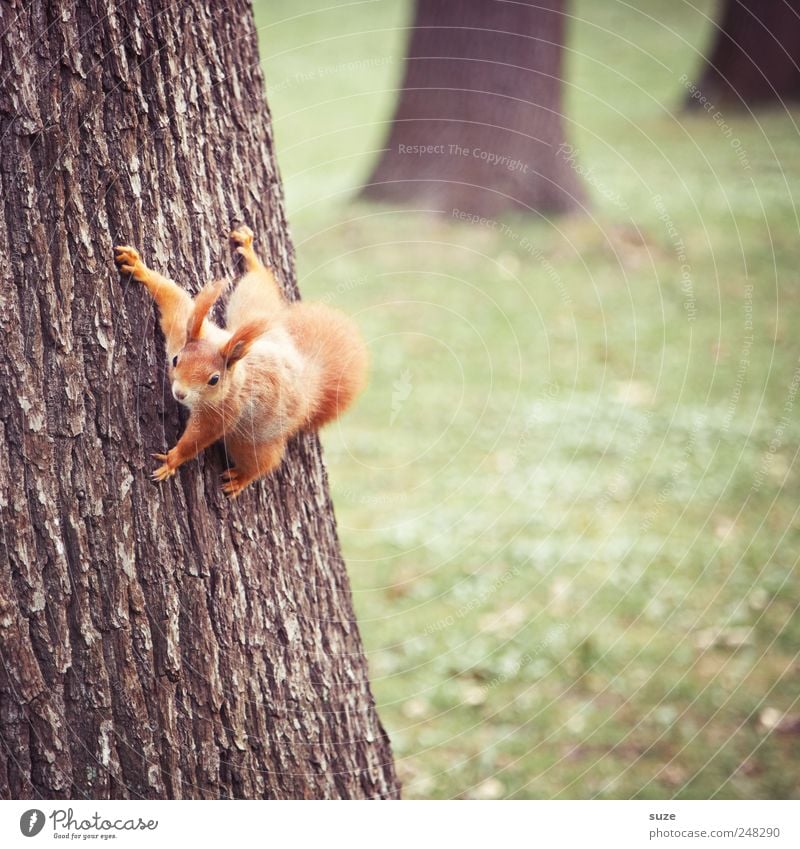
[
  {"x": 233, "y": 485},
  {"x": 128, "y": 260},
  {"x": 126, "y": 255},
  {"x": 242, "y": 236},
  {"x": 164, "y": 471}
]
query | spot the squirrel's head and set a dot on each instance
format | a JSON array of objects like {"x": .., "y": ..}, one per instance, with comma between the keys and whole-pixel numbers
[{"x": 201, "y": 370}]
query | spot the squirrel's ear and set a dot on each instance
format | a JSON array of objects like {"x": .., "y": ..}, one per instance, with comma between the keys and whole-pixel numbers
[
  {"x": 239, "y": 344},
  {"x": 203, "y": 301}
]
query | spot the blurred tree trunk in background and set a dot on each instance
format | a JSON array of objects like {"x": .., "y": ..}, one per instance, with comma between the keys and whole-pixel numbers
[
  {"x": 478, "y": 126},
  {"x": 755, "y": 58},
  {"x": 155, "y": 641}
]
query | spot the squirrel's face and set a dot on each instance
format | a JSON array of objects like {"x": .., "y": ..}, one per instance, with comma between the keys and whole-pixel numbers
[{"x": 198, "y": 374}]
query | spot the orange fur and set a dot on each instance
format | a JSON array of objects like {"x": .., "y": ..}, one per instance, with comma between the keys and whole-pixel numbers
[
  {"x": 326, "y": 337},
  {"x": 204, "y": 300},
  {"x": 242, "y": 340},
  {"x": 277, "y": 368}
]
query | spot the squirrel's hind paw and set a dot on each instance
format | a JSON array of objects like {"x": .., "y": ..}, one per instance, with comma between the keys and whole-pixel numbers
[{"x": 233, "y": 483}]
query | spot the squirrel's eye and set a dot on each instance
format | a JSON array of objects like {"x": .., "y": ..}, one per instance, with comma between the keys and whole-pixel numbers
[
  {"x": 214, "y": 380},
  {"x": 175, "y": 361}
]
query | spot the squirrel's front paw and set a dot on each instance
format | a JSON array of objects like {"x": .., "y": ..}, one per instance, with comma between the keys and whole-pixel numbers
[
  {"x": 242, "y": 236},
  {"x": 165, "y": 471},
  {"x": 128, "y": 259}
]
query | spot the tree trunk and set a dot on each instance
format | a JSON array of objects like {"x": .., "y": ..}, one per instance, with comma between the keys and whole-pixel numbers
[
  {"x": 157, "y": 641},
  {"x": 478, "y": 126},
  {"x": 755, "y": 58}
]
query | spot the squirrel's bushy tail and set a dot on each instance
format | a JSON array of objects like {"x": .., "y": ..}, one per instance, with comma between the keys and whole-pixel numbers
[{"x": 333, "y": 342}]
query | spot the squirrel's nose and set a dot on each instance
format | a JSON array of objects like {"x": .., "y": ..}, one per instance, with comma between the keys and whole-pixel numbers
[{"x": 179, "y": 394}]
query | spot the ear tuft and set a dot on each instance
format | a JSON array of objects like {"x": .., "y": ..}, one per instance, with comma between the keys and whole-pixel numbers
[
  {"x": 243, "y": 337},
  {"x": 203, "y": 301}
]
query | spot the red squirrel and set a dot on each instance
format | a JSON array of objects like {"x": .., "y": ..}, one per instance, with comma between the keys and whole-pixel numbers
[{"x": 277, "y": 367}]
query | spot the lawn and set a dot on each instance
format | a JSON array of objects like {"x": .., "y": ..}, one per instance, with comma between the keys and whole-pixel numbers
[{"x": 569, "y": 499}]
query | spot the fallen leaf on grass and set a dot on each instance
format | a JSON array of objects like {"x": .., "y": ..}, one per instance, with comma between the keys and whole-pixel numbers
[
  {"x": 723, "y": 638},
  {"x": 492, "y": 788},
  {"x": 772, "y": 719}
]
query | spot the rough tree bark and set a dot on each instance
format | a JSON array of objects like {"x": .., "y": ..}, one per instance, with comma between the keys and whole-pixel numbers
[
  {"x": 478, "y": 124},
  {"x": 157, "y": 641},
  {"x": 755, "y": 58}
]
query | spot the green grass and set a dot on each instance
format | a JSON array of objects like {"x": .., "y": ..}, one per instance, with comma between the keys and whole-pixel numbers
[{"x": 568, "y": 500}]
